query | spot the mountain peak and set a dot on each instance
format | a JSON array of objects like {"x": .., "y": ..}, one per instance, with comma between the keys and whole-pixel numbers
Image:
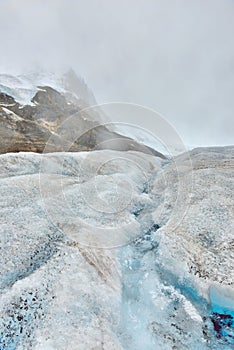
[{"x": 24, "y": 87}]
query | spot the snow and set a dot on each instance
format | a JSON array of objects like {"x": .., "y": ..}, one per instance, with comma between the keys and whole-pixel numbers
[
  {"x": 39, "y": 89},
  {"x": 12, "y": 114},
  {"x": 100, "y": 253},
  {"x": 24, "y": 87},
  {"x": 7, "y": 105}
]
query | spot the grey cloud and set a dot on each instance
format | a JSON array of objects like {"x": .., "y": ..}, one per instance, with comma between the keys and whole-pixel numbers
[{"x": 175, "y": 56}]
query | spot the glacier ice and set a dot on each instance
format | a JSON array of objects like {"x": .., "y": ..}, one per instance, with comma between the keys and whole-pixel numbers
[{"x": 109, "y": 250}]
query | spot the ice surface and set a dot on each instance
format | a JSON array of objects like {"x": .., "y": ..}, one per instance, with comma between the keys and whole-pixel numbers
[{"x": 116, "y": 250}]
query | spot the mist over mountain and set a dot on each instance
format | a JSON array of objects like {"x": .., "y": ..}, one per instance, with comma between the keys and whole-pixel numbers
[
  {"x": 34, "y": 106},
  {"x": 175, "y": 57}
]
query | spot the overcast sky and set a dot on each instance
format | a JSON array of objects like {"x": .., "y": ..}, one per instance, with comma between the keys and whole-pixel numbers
[{"x": 176, "y": 56}]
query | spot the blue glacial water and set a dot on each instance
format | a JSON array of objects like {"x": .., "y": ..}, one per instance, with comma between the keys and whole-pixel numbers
[{"x": 152, "y": 314}]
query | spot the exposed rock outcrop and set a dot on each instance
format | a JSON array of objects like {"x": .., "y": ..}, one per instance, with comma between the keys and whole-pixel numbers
[{"x": 28, "y": 127}]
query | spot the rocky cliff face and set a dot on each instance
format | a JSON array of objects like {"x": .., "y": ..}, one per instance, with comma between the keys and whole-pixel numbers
[{"x": 28, "y": 125}]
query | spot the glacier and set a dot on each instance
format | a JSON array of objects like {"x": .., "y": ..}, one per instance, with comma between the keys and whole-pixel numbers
[{"x": 117, "y": 250}]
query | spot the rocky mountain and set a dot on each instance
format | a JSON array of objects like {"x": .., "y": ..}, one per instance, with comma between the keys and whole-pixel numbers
[{"x": 33, "y": 108}]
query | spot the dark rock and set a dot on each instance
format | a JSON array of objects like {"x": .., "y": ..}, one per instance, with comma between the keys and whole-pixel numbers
[
  {"x": 29, "y": 127},
  {"x": 223, "y": 326}
]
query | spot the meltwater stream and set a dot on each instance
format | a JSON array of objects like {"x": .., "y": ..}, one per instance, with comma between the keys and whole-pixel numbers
[{"x": 137, "y": 307}]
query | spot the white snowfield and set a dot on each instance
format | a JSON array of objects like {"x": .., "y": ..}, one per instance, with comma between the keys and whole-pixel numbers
[
  {"x": 115, "y": 250},
  {"x": 24, "y": 87}
]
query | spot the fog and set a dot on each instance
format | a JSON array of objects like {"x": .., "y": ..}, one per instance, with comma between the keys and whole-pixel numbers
[{"x": 175, "y": 56}]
